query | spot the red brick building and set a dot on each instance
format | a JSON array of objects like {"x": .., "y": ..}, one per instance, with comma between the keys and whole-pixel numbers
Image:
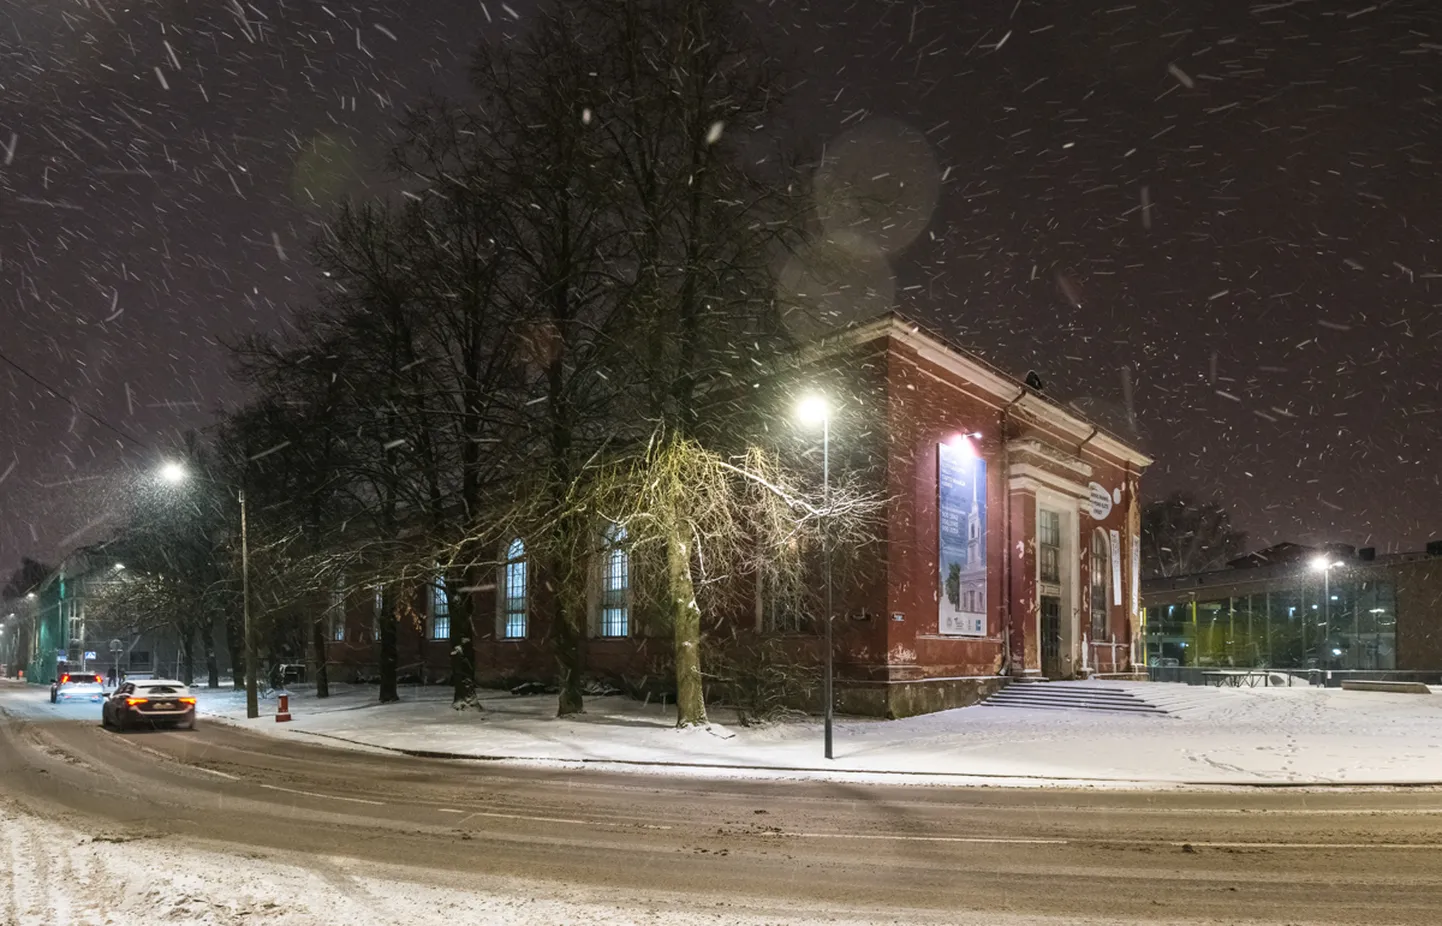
[{"x": 1009, "y": 547}]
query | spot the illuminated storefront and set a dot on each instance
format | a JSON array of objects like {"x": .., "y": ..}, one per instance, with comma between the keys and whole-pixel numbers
[{"x": 1332, "y": 609}]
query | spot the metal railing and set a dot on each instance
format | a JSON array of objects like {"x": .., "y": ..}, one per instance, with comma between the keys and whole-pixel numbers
[{"x": 1274, "y": 677}]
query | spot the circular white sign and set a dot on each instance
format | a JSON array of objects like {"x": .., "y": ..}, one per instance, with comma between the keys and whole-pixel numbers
[{"x": 1101, "y": 501}]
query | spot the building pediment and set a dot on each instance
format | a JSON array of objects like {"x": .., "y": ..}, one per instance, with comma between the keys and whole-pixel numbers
[{"x": 1035, "y": 452}]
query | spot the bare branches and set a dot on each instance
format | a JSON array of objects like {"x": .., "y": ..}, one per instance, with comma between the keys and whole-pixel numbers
[{"x": 552, "y": 328}]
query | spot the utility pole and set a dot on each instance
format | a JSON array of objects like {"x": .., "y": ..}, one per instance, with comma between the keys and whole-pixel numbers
[
  {"x": 252, "y": 699},
  {"x": 176, "y": 473},
  {"x": 826, "y": 549},
  {"x": 812, "y": 409}
]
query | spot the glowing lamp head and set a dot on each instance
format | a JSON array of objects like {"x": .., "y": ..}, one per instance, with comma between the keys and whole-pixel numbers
[
  {"x": 964, "y": 442},
  {"x": 172, "y": 472},
  {"x": 1322, "y": 563},
  {"x": 813, "y": 410}
]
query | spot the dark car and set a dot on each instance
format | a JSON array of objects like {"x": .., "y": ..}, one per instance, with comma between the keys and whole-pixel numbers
[
  {"x": 66, "y": 680},
  {"x": 149, "y": 702}
]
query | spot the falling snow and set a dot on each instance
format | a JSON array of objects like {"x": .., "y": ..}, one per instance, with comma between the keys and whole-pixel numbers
[{"x": 1196, "y": 198}]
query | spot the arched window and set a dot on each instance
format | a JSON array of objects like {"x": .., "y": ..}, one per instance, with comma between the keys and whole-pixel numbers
[
  {"x": 440, "y": 610},
  {"x": 337, "y": 610},
  {"x": 515, "y": 592},
  {"x": 1101, "y": 572},
  {"x": 615, "y": 603}
]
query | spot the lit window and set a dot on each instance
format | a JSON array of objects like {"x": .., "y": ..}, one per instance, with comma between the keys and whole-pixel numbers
[
  {"x": 440, "y": 610},
  {"x": 514, "y": 591},
  {"x": 1101, "y": 576},
  {"x": 337, "y": 611},
  {"x": 1048, "y": 540},
  {"x": 780, "y": 608},
  {"x": 615, "y": 584}
]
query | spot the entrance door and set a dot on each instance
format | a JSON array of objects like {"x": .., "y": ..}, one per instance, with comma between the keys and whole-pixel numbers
[{"x": 1051, "y": 636}]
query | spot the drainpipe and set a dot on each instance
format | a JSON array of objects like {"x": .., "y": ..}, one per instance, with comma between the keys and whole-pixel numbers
[
  {"x": 1131, "y": 580},
  {"x": 1079, "y": 448},
  {"x": 1006, "y": 535}
]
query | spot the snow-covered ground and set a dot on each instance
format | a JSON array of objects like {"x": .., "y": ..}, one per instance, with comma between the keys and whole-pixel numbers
[
  {"x": 51, "y": 875},
  {"x": 1211, "y": 736}
]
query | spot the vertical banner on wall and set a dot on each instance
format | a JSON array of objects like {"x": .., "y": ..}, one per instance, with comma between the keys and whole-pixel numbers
[
  {"x": 1116, "y": 567},
  {"x": 1136, "y": 576},
  {"x": 961, "y": 529}
]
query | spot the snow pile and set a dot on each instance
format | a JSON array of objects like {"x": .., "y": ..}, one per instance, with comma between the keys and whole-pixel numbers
[{"x": 1211, "y": 736}]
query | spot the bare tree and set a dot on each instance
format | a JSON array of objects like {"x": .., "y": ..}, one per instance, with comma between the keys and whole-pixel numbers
[
  {"x": 26, "y": 578},
  {"x": 1182, "y": 535},
  {"x": 686, "y": 81},
  {"x": 558, "y": 234},
  {"x": 581, "y": 260},
  {"x": 173, "y": 545}
]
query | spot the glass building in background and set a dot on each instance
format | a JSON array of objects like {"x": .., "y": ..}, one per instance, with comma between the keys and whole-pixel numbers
[{"x": 1296, "y": 607}]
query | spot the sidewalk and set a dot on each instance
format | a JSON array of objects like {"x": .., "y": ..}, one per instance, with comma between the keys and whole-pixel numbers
[{"x": 1211, "y": 737}]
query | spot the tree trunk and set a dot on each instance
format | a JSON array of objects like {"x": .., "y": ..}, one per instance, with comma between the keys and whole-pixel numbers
[
  {"x": 569, "y": 600},
  {"x": 463, "y": 632},
  {"x": 686, "y": 632},
  {"x": 317, "y": 646},
  {"x": 569, "y": 626},
  {"x": 389, "y": 657},
  {"x": 568, "y": 673},
  {"x": 235, "y": 642},
  {"x": 187, "y": 654},
  {"x": 212, "y": 666}
]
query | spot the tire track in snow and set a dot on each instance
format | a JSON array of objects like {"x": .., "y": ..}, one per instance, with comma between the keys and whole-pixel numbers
[{"x": 27, "y": 872}]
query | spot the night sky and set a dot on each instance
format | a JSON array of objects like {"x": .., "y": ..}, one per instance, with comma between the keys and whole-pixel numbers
[{"x": 1237, "y": 202}]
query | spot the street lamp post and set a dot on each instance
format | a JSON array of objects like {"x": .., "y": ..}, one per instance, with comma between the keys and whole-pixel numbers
[
  {"x": 1325, "y": 565},
  {"x": 252, "y": 697},
  {"x": 811, "y": 409},
  {"x": 175, "y": 472}
]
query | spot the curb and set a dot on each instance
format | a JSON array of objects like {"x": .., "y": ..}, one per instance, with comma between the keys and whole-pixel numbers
[{"x": 988, "y": 776}]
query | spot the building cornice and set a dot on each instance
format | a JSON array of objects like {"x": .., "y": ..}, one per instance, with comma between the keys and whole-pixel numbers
[
  {"x": 1081, "y": 430},
  {"x": 1035, "y": 448},
  {"x": 1004, "y": 387},
  {"x": 1026, "y": 476}
]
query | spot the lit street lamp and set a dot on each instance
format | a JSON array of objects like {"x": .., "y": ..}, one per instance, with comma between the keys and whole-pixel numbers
[
  {"x": 176, "y": 473},
  {"x": 1325, "y": 565},
  {"x": 813, "y": 410}
]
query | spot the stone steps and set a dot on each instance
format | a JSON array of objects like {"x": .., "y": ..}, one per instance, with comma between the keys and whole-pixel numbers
[{"x": 1072, "y": 696}]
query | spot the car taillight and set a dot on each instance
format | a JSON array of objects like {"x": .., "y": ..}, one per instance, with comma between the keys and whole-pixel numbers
[
  {"x": 99, "y": 680},
  {"x": 64, "y": 679},
  {"x": 131, "y": 702},
  {"x": 187, "y": 700}
]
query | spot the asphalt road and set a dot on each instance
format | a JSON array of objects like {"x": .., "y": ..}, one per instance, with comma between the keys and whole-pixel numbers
[{"x": 910, "y": 852}]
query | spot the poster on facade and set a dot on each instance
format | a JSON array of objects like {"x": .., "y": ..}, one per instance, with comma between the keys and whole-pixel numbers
[
  {"x": 961, "y": 529},
  {"x": 1099, "y": 501},
  {"x": 1136, "y": 575},
  {"x": 1116, "y": 567}
]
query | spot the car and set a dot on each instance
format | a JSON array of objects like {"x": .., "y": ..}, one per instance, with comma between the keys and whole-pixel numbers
[
  {"x": 78, "y": 686},
  {"x": 149, "y": 702}
]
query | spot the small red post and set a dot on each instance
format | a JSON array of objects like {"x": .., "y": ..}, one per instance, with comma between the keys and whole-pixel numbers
[{"x": 283, "y": 713}]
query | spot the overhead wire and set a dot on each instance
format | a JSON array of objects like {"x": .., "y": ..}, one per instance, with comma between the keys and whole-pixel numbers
[{"x": 121, "y": 432}]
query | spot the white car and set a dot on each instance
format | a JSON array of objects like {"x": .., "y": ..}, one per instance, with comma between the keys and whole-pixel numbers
[
  {"x": 149, "y": 702},
  {"x": 86, "y": 686}
]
